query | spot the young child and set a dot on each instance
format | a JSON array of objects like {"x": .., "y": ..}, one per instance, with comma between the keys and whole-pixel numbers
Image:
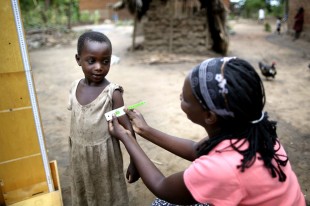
[
  {"x": 96, "y": 158},
  {"x": 278, "y": 25},
  {"x": 241, "y": 162}
]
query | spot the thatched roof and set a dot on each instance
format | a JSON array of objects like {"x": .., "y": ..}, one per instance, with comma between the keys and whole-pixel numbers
[
  {"x": 135, "y": 7},
  {"x": 140, "y": 7}
]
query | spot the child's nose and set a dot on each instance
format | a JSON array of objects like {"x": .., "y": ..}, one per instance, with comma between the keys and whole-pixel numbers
[{"x": 98, "y": 66}]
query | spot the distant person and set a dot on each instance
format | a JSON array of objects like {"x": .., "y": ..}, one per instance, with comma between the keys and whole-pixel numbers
[
  {"x": 96, "y": 160},
  {"x": 261, "y": 15},
  {"x": 240, "y": 162},
  {"x": 115, "y": 17},
  {"x": 299, "y": 22},
  {"x": 278, "y": 25}
]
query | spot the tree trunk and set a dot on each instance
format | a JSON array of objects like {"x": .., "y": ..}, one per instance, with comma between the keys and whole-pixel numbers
[
  {"x": 216, "y": 17},
  {"x": 133, "y": 46},
  {"x": 69, "y": 13}
]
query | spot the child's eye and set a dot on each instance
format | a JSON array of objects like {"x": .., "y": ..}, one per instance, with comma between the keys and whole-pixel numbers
[
  {"x": 90, "y": 61},
  {"x": 106, "y": 62}
]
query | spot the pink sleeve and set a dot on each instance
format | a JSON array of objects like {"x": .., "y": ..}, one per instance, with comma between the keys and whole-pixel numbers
[{"x": 210, "y": 179}]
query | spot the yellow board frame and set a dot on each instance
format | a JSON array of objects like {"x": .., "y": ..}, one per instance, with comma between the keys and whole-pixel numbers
[{"x": 25, "y": 172}]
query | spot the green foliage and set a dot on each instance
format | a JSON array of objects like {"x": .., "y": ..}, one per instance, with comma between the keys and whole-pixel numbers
[
  {"x": 277, "y": 10},
  {"x": 251, "y": 7},
  {"x": 267, "y": 27},
  {"x": 85, "y": 16},
  {"x": 96, "y": 17},
  {"x": 40, "y": 14},
  {"x": 124, "y": 22},
  {"x": 89, "y": 18}
]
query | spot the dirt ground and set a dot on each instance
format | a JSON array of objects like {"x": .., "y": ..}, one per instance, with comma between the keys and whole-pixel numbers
[{"x": 158, "y": 79}]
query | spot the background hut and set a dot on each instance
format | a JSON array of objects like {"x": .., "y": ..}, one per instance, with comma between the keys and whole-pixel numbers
[{"x": 181, "y": 26}]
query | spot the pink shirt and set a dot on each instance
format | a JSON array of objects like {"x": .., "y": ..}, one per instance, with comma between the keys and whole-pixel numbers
[{"x": 215, "y": 179}]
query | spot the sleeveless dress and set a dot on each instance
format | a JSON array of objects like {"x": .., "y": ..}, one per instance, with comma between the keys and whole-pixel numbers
[{"x": 96, "y": 158}]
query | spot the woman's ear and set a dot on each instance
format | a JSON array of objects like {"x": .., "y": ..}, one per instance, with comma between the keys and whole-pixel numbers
[
  {"x": 210, "y": 117},
  {"x": 77, "y": 58}
]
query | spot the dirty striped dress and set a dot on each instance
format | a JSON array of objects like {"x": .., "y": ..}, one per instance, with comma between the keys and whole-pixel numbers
[{"x": 96, "y": 158}]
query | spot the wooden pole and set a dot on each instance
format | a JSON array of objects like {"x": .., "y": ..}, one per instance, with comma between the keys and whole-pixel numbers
[
  {"x": 133, "y": 46},
  {"x": 171, "y": 27}
]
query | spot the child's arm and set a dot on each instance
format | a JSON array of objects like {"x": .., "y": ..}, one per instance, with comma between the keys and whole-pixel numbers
[
  {"x": 132, "y": 174},
  {"x": 118, "y": 101}
]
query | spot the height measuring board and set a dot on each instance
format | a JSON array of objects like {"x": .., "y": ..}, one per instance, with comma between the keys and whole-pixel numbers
[{"x": 24, "y": 166}]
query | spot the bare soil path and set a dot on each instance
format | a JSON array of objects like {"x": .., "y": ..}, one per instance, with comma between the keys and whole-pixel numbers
[{"x": 158, "y": 79}]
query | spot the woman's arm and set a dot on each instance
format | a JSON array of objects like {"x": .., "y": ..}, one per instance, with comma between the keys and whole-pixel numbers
[
  {"x": 132, "y": 175},
  {"x": 184, "y": 148},
  {"x": 171, "y": 189}
]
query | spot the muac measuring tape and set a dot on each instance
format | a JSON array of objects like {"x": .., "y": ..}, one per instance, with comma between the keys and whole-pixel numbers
[{"x": 120, "y": 111}]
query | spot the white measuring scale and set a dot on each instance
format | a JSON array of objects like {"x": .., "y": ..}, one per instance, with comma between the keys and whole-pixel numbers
[{"x": 23, "y": 49}]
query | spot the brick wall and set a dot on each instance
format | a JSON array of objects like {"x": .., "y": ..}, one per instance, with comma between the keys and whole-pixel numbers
[
  {"x": 294, "y": 5},
  {"x": 104, "y": 8}
]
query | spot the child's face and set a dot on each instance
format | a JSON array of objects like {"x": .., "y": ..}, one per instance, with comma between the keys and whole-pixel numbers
[
  {"x": 190, "y": 105},
  {"x": 95, "y": 60}
]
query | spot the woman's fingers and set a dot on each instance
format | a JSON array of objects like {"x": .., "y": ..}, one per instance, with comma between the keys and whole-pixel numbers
[
  {"x": 131, "y": 113},
  {"x": 113, "y": 124},
  {"x": 136, "y": 119},
  {"x": 134, "y": 115},
  {"x": 111, "y": 127}
]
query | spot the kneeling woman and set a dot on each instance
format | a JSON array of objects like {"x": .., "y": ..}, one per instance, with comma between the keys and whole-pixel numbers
[{"x": 241, "y": 162}]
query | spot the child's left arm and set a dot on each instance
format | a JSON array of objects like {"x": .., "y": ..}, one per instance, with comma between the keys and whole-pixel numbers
[{"x": 132, "y": 174}]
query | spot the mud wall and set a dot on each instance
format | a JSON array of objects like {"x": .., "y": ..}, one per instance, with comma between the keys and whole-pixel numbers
[{"x": 173, "y": 27}]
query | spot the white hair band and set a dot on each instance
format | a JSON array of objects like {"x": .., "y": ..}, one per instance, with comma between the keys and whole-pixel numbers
[{"x": 258, "y": 120}]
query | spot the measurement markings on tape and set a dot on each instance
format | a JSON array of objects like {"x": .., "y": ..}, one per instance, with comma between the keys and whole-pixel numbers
[{"x": 21, "y": 39}]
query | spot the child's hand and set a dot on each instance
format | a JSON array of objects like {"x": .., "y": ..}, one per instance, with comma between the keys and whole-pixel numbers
[
  {"x": 132, "y": 174},
  {"x": 117, "y": 130},
  {"x": 137, "y": 120}
]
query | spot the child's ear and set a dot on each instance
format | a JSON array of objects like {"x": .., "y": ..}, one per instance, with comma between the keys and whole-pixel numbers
[
  {"x": 77, "y": 58},
  {"x": 210, "y": 117}
]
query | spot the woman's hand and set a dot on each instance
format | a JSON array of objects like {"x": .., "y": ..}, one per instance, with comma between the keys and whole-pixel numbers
[
  {"x": 137, "y": 120},
  {"x": 118, "y": 131},
  {"x": 132, "y": 173}
]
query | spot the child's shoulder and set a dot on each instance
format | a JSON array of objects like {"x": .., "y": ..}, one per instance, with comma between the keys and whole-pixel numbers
[
  {"x": 115, "y": 86},
  {"x": 74, "y": 83}
]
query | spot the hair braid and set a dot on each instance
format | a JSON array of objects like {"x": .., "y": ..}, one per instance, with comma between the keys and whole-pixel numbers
[{"x": 247, "y": 99}]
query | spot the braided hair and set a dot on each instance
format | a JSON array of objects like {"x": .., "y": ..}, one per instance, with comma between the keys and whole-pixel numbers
[
  {"x": 92, "y": 36},
  {"x": 243, "y": 102}
]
